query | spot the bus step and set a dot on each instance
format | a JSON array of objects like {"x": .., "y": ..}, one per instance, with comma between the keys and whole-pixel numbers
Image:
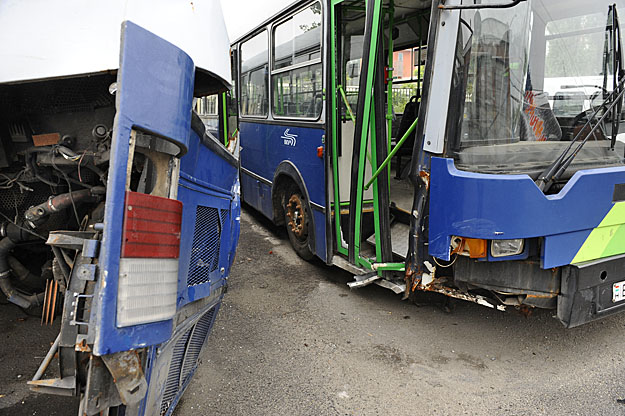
[{"x": 399, "y": 239}]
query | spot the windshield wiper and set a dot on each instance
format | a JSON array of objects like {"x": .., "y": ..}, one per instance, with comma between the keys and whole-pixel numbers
[
  {"x": 617, "y": 68},
  {"x": 555, "y": 171}
]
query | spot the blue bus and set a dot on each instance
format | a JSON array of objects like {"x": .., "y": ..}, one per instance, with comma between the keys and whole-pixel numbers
[
  {"x": 120, "y": 206},
  {"x": 473, "y": 149}
]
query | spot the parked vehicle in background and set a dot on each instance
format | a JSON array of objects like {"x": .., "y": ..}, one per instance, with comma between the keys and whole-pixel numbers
[
  {"x": 120, "y": 211},
  {"x": 513, "y": 192}
]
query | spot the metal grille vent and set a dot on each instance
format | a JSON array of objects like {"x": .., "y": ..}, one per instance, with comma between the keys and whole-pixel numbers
[
  {"x": 63, "y": 95},
  {"x": 196, "y": 341},
  {"x": 184, "y": 358},
  {"x": 173, "y": 376},
  {"x": 13, "y": 201},
  {"x": 206, "y": 243}
]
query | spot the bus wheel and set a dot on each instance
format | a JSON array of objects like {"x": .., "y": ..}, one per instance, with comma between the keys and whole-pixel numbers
[{"x": 296, "y": 218}]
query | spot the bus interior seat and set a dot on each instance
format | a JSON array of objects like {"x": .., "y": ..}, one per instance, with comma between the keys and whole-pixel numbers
[{"x": 411, "y": 111}]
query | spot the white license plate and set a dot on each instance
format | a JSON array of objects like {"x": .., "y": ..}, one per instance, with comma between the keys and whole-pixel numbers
[{"x": 618, "y": 291}]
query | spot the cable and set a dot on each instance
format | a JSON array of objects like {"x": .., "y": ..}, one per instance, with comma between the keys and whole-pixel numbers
[
  {"x": 449, "y": 265},
  {"x": 23, "y": 228},
  {"x": 69, "y": 186}
]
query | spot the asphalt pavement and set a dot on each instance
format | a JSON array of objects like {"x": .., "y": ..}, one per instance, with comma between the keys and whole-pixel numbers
[{"x": 293, "y": 339}]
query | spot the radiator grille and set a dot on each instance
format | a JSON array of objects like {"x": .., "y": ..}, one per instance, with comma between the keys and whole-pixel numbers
[
  {"x": 206, "y": 244},
  {"x": 184, "y": 358},
  {"x": 173, "y": 376},
  {"x": 196, "y": 341}
]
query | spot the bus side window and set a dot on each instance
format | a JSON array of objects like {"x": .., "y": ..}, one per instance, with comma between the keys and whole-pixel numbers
[
  {"x": 297, "y": 89},
  {"x": 254, "y": 67}
]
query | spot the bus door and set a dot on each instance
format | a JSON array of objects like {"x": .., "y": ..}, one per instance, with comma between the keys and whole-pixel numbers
[{"x": 371, "y": 227}]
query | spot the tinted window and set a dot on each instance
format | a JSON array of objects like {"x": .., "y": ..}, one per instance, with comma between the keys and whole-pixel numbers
[
  {"x": 298, "y": 39},
  {"x": 254, "y": 68},
  {"x": 297, "y": 92}
]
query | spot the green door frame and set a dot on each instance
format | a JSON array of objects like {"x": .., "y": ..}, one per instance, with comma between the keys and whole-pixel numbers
[{"x": 369, "y": 116}]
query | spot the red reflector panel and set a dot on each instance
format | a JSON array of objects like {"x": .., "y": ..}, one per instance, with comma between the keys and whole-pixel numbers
[{"x": 151, "y": 226}]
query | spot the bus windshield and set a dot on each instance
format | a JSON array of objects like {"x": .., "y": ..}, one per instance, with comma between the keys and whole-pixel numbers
[{"x": 531, "y": 77}]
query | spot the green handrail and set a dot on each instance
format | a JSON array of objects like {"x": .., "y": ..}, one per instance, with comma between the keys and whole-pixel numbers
[
  {"x": 393, "y": 152},
  {"x": 349, "y": 109}
]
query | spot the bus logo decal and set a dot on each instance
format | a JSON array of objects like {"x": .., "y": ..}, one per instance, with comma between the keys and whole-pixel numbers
[{"x": 290, "y": 139}]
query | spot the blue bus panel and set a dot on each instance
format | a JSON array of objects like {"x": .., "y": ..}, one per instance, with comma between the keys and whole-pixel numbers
[
  {"x": 476, "y": 205},
  {"x": 265, "y": 148}
]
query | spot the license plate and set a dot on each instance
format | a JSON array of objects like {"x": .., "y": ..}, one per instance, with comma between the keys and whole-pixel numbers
[{"x": 618, "y": 291}]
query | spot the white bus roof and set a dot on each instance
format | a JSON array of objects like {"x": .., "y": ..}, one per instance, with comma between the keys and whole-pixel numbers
[{"x": 44, "y": 39}]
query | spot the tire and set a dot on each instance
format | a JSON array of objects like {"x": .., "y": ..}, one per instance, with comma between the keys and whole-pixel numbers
[{"x": 297, "y": 222}]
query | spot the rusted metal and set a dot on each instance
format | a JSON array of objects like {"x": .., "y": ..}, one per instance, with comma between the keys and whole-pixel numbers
[
  {"x": 526, "y": 310},
  {"x": 46, "y": 139},
  {"x": 425, "y": 178},
  {"x": 125, "y": 367},
  {"x": 54, "y": 293},
  {"x": 60, "y": 386},
  {"x": 296, "y": 215},
  {"x": 438, "y": 285},
  {"x": 81, "y": 344},
  {"x": 416, "y": 243},
  {"x": 49, "y": 298}
]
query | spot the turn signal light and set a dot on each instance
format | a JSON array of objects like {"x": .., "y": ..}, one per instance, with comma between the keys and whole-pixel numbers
[{"x": 477, "y": 247}]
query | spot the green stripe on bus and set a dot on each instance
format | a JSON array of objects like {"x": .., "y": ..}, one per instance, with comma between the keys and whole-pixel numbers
[{"x": 608, "y": 239}]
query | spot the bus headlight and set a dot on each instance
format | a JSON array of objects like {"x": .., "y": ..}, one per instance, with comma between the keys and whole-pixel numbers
[{"x": 505, "y": 248}]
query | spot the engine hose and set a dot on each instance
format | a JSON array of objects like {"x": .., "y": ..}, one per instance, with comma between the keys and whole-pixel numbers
[
  {"x": 23, "y": 301},
  {"x": 35, "y": 215},
  {"x": 23, "y": 275}
]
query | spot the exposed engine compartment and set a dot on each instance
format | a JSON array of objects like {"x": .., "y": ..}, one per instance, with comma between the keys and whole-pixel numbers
[{"x": 54, "y": 149}]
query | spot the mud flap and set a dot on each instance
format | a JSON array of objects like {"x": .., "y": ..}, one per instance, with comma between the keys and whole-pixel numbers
[{"x": 586, "y": 291}]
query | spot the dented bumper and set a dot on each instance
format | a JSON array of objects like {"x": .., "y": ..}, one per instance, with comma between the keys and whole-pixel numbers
[{"x": 586, "y": 292}]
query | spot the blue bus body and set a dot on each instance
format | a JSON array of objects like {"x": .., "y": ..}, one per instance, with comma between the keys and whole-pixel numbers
[
  {"x": 143, "y": 267},
  {"x": 267, "y": 153},
  {"x": 513, "y": 197}
]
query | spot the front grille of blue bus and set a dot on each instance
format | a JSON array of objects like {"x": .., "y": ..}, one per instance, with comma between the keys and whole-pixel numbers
[
  {"x": 206, "y": 244},
  {"x": 185, "y": 358}
]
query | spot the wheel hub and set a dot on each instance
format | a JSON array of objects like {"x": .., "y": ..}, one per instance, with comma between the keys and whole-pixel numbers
[{"x": 295, "y": 213}]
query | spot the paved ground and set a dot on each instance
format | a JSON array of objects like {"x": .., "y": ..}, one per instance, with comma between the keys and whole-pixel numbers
[
  {"x": 23, "y": 344},
  {"x": 292, "y": 339}
]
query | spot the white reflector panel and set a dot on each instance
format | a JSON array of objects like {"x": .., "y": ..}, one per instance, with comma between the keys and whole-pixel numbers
[{"x": 147, "y": 290}]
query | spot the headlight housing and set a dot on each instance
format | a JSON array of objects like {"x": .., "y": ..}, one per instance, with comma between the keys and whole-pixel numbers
[{"x": 506, "y": 248}]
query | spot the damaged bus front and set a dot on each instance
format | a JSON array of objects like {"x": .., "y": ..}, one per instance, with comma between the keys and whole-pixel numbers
[
  {"x": 120, "y": 209},
  {"x": 519, "y": 168},
  {"x": 501, "y": 119}
]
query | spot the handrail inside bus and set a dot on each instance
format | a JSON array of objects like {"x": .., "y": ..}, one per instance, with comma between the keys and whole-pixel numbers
[
  {"x": 349, "y": 109},
  {"x": 393, "y": 152}
]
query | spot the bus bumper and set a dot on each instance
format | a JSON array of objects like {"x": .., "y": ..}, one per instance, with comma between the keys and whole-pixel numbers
[{"x": 587, "y": 291}]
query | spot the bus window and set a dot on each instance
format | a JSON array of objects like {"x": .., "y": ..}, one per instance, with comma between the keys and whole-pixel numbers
[
  {"x": 297, "y": 91},
  {"x": 206, "y": 108},
  {"x": 254, "y": 67},
  {"x": 408, "y": 70}
]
